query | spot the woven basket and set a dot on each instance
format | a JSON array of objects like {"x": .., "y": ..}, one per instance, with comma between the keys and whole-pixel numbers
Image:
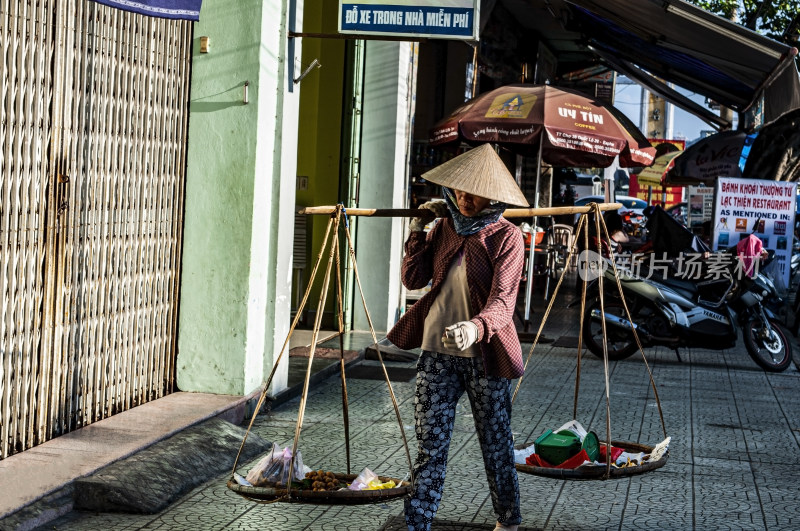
[
  {"x": 594, "y": 472},
  {"x": 329, "y": 497}
]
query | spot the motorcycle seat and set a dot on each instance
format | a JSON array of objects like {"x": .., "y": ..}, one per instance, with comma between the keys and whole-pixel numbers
[
  {"x": 686, "y": 288},
  {"x": 683, "y": 287},
  {"x": 709, "y": 289}
]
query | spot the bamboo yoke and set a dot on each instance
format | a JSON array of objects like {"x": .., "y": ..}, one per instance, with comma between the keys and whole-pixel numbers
[
  {"x": 336, "y": 214},
  {"x": 427, "y": 214}
]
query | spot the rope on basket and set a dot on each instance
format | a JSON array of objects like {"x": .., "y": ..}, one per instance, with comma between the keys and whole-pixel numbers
[
  {"x": 582, "y": 229},
  {"x": 330, "y": 237}
]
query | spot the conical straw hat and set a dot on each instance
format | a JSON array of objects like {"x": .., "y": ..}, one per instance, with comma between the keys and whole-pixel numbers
[{"x": 481, "y": 172}]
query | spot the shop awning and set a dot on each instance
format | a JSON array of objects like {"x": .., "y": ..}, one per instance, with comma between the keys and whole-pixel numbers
[
  {"x": 176, "y": 9},
  {"x": 654, "y": 175},
  {"x": 658, "y": 42}
]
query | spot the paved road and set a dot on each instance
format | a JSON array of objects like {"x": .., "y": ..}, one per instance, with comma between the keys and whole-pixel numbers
[{"x": 733, "y": 462}]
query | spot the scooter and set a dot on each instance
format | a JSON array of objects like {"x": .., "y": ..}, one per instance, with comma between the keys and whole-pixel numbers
[
  {"x": 632, "y": 224},
  {"x": 676, "y": 312}
]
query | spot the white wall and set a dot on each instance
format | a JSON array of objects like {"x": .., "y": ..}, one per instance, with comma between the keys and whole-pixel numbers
[{"x": 388, "y": 87}]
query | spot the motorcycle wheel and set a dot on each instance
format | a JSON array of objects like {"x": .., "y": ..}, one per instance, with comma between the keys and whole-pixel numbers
[
  {"x": 620, "y": 342},
  {"x": 772, "y": 354}
]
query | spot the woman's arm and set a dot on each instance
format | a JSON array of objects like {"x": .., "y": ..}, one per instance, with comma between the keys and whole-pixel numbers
[{"x": 417, "y": 268}]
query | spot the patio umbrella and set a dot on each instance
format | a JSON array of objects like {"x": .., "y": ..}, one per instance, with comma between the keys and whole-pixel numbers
[
  {"x": 575, "y": 129},
  {"x": 654, "y": 175},
  {"x": 559, "y": 126},
  {"x": 717, "y": 155}
]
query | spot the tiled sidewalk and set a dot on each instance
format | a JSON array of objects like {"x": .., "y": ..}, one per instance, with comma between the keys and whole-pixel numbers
[{"x": 733, "y": 459}]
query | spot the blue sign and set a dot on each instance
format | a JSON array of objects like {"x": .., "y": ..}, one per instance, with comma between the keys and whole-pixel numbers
[{"x": 446, "y": 20}]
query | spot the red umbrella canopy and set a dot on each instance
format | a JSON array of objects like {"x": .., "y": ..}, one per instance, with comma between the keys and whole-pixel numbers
[{"x": 579, "y": 130}]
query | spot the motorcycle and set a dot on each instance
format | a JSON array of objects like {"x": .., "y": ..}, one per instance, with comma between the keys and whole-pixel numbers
[
  {"x": 632, "y": 224},
  {"x": 677, "y": 312}
]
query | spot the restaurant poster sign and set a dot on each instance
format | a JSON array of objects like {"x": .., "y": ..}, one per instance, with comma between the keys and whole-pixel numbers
[
  {"x": 438, "y": 19},
  {"x": 753, "y": 206},
  {"x": 699, "y": 206}
]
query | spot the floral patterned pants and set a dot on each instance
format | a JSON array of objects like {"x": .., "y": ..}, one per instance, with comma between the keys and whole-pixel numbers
[{"x": 441, "y": 380}]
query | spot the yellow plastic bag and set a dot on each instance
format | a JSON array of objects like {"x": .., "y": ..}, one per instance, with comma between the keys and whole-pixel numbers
[{"x": 376, "y": 484}]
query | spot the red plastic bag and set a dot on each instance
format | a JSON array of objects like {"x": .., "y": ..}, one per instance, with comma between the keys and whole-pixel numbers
[
  {"x": 573, "y": 462},
  {"x": 576, "y": 460},
  {"x": 615, "y": 452}
]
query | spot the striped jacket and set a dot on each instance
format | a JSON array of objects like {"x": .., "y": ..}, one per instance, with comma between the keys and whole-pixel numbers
[{"x": 494, "y": 260}]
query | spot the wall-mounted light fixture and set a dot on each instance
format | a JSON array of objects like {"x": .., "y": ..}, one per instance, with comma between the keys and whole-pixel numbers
[
  {"x": 314, "y": 63},
  {"x": 245, "y": 96},
  {"x": 204, "y": 41}
]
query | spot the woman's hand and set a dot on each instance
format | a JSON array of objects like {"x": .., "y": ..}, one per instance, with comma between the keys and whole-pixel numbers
[
  {"x": 439, "y": 209},
  {"x": 460, "y": 335}
]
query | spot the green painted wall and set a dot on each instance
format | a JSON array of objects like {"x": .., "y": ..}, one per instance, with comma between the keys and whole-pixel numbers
[{"x": 219, "y": 199}]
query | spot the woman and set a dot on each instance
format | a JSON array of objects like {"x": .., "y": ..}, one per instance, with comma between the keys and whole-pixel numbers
[{"x": 464, "y": 326}]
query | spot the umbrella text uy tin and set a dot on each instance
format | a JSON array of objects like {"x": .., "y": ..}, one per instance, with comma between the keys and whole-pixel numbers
[{"x": 574, "y": 128}]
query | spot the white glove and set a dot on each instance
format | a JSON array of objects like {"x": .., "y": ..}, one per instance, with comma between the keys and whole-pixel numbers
[
  {"x": 439, "y": 209},
  {"x": 460, "y": 335}
]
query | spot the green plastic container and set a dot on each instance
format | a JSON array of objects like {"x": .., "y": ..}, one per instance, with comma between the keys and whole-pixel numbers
[
  {"x": 555, "y": 448},
  {"x": 591, "y": 445}
]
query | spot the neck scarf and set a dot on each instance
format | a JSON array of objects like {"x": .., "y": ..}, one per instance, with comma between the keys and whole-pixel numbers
[{"x": 470, "y": 225}]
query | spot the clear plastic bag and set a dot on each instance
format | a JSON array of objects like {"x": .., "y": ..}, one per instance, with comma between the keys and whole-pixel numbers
[
  {"x": 363, "y": 480},
  {"x": 575, "y": 427},
  {"x": 273, "y": 468},
  {"x": 256, "y": 475},
  {"x": 521, "y": 455}
]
